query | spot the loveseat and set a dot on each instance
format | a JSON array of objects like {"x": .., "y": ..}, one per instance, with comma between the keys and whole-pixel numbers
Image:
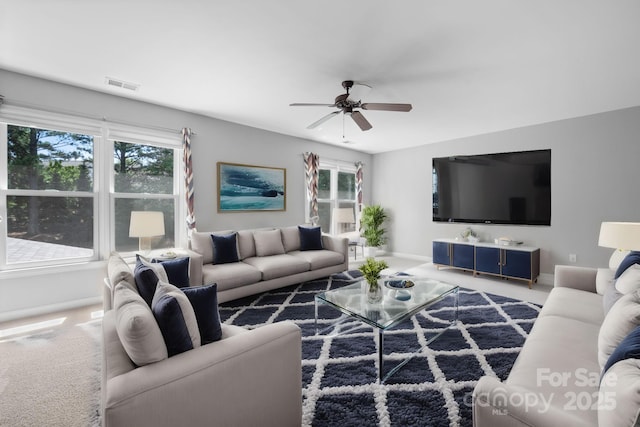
[
  {"x": 247, "y": 262},
  {"x": 244, "y": 378},
  {"x": 565, "y": 374}
]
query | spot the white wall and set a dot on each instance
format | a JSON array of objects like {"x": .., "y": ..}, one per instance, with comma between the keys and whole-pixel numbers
[
  {"x": 594, "y": 178},
  {"x": 30, "y": 291}
]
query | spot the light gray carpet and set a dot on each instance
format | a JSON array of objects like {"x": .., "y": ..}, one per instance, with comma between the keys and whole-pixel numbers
[{"x": 51, "y": 377}]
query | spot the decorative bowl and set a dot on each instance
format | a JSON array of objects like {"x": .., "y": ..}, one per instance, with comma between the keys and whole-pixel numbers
[{"x": 401, "y": 285}]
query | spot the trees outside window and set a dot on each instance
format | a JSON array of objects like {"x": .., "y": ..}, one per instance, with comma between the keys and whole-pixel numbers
[{"x": 49, "y": 196}]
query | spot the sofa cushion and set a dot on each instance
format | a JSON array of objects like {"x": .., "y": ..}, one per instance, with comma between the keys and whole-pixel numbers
[
  {"x": 623, "y": 317},
  {"x": 225, "y": 248},
  {"x": 268, "y": 243},
  {"x": 137, "y": 328},
  {"x": 275, "y": 266},
  {"x": 616, "y": 258},
  {"x": 319, "y": 259},
  {"x": 621, "y": 399},
  {"x": 629, "y": 348},
  {"x": 204, "y": 300},
  {"x": 176, "y": 319},
  {"x": 231, "y": 275},
  {"x": 574, "y": 304},
  {"x": 201, "y": 243},
  {"x": 290, "y": 238},
  {"x": 632, "y": 257},
  {"x": 629, "y": 281},
  {"x": 246, "y": 244},
  {"x": 177, "y": 270},
  {"x": 559, "y": 346},
  {"x": 147, "y": 275},
  {"x": 310, "y": 238}
]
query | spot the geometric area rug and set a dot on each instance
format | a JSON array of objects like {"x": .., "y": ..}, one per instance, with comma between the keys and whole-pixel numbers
[{"x": 339, "y": 372}]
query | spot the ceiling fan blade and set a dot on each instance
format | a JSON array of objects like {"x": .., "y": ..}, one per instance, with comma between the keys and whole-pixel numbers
[
  {"x": 305, "y": 104},
  {"x": 360, "y": 120},
  {"x": 322, "y": 120},
  {"x": 386, "y": 107}
]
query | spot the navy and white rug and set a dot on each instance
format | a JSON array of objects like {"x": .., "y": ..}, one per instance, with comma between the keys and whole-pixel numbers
[{"x": 339, "y": 373}]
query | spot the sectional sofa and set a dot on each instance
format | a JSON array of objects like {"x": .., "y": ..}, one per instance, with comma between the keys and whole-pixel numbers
[
  {"x": 264, "y": 259},
  {"x": 573, "y": 369}
]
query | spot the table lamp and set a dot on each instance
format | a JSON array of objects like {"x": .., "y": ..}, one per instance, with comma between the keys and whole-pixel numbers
[
  {"x": 145, "y": 225},
  {"x": 622, "y": 236},
  {"x": 344, "y": 216}
]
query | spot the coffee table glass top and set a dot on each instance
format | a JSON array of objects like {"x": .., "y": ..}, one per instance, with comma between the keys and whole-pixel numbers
[{"x": 352, "y": 300}]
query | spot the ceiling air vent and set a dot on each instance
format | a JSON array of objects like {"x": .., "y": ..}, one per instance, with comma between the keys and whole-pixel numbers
[{"x": 122, "y": 84}]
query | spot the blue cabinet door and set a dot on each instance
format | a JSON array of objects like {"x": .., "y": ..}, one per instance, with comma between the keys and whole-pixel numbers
[
  {"x": 488, "y": 260},
  {"x": 463, "y": 256},
  {"x": 441, "y": 253},
  {"x": 516, "y": 264}
]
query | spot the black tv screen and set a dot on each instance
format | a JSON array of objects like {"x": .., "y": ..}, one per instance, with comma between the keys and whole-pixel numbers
[{"x": 500, "y": 188}]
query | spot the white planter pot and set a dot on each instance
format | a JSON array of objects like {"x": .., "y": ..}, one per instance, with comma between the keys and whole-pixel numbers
[{"x": 370, "y": 251}]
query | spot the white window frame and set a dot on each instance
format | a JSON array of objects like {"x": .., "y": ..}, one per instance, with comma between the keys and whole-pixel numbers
[
  {"x": 104, "y": 133},
  {"x": 133, "y": 135},
  {"x": 336, "y": 167}
]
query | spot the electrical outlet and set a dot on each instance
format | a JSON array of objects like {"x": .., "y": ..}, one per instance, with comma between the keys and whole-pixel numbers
[{"x": 572, "y": 258}]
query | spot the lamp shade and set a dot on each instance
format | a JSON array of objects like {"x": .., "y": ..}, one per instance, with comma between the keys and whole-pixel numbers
[
  {"x": 344, "y": 215},
  {"x": 146, "y": 224},
  {"x": 620, "y": 235}
]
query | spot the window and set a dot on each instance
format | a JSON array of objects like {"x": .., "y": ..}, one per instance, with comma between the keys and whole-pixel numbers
[
  {"x": 143, "y": 177},
  {"x": 336, "y": 189},
  {"x": 49, "y": 197},
  {"x": 68, "y": 186}
]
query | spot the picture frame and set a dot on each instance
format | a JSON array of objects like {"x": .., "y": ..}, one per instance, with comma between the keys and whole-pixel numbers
[{"x": 249, "y": 188}]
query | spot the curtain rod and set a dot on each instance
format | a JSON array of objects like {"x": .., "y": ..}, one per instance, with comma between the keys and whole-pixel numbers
[{"x": 17, "y": 103}]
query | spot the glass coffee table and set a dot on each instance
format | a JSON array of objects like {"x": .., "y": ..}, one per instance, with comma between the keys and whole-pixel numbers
[{"x": 394, "y": 308}]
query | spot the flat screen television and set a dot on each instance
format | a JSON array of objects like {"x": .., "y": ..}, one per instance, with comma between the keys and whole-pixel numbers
[{"x": 499, "y": 188}]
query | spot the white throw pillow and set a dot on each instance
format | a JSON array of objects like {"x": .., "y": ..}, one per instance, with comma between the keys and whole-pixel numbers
[
  {"x": 268, "y": 243},
  {"x": 616, "y": 258},
  {"x": 137, "y": 328},
  {"x": 623, "y": 317},
  {"x": 629, "y": 281}
]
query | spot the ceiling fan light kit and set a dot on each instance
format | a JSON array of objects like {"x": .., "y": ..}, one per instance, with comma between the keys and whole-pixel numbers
[{"x": 348, "y": 105}]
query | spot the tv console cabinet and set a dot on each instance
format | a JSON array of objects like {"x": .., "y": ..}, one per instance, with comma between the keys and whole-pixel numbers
[{"x": 509, "y": 262}]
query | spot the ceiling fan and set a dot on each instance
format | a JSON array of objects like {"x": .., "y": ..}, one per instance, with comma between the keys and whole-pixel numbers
[{"x": 348, "y": 105}]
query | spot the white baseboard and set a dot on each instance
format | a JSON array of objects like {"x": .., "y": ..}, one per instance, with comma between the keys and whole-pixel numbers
[{"x": 46, "y": 309}]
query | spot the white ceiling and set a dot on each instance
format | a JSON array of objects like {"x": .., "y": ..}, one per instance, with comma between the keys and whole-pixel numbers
[{"x": 468, "y": 67}]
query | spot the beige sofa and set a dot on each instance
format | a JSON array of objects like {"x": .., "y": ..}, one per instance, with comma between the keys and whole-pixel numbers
[
  {"x": 285, "y": 265},
  {"x": 248, "y": 378},
  {"x": 555, "y": 380}
]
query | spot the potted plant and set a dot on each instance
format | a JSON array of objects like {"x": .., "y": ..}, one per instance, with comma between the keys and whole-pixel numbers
[
  {"x": 371, "y": 222},
  {"x": 371, "y": 270}
]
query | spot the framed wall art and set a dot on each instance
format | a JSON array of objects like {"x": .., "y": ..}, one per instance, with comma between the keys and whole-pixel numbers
[{"x": 244, "y": 188}]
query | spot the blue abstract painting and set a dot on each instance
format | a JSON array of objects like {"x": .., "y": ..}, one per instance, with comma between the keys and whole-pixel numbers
[{"x": 251, "y": 188}]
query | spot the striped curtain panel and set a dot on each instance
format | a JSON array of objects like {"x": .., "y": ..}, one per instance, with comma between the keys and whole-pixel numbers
[
  {"x": 311, "y": 165},
  {"x": 359, "y": 167},
  {"x": 188, "y": 179}
]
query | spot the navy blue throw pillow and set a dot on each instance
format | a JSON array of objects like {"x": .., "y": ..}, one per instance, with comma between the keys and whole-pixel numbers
[
  {"x": 632, "y": 257},
  {"x": 629, "y": 348},
  {"x": 171, "y": 321},
  {"x": 204, "y": 300},
  {"x": 146, "y": 281},
  {"x": 310, "y": 238},
  {"x": 225, "y": 248},
  {"x": 177, "y": 271}
]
